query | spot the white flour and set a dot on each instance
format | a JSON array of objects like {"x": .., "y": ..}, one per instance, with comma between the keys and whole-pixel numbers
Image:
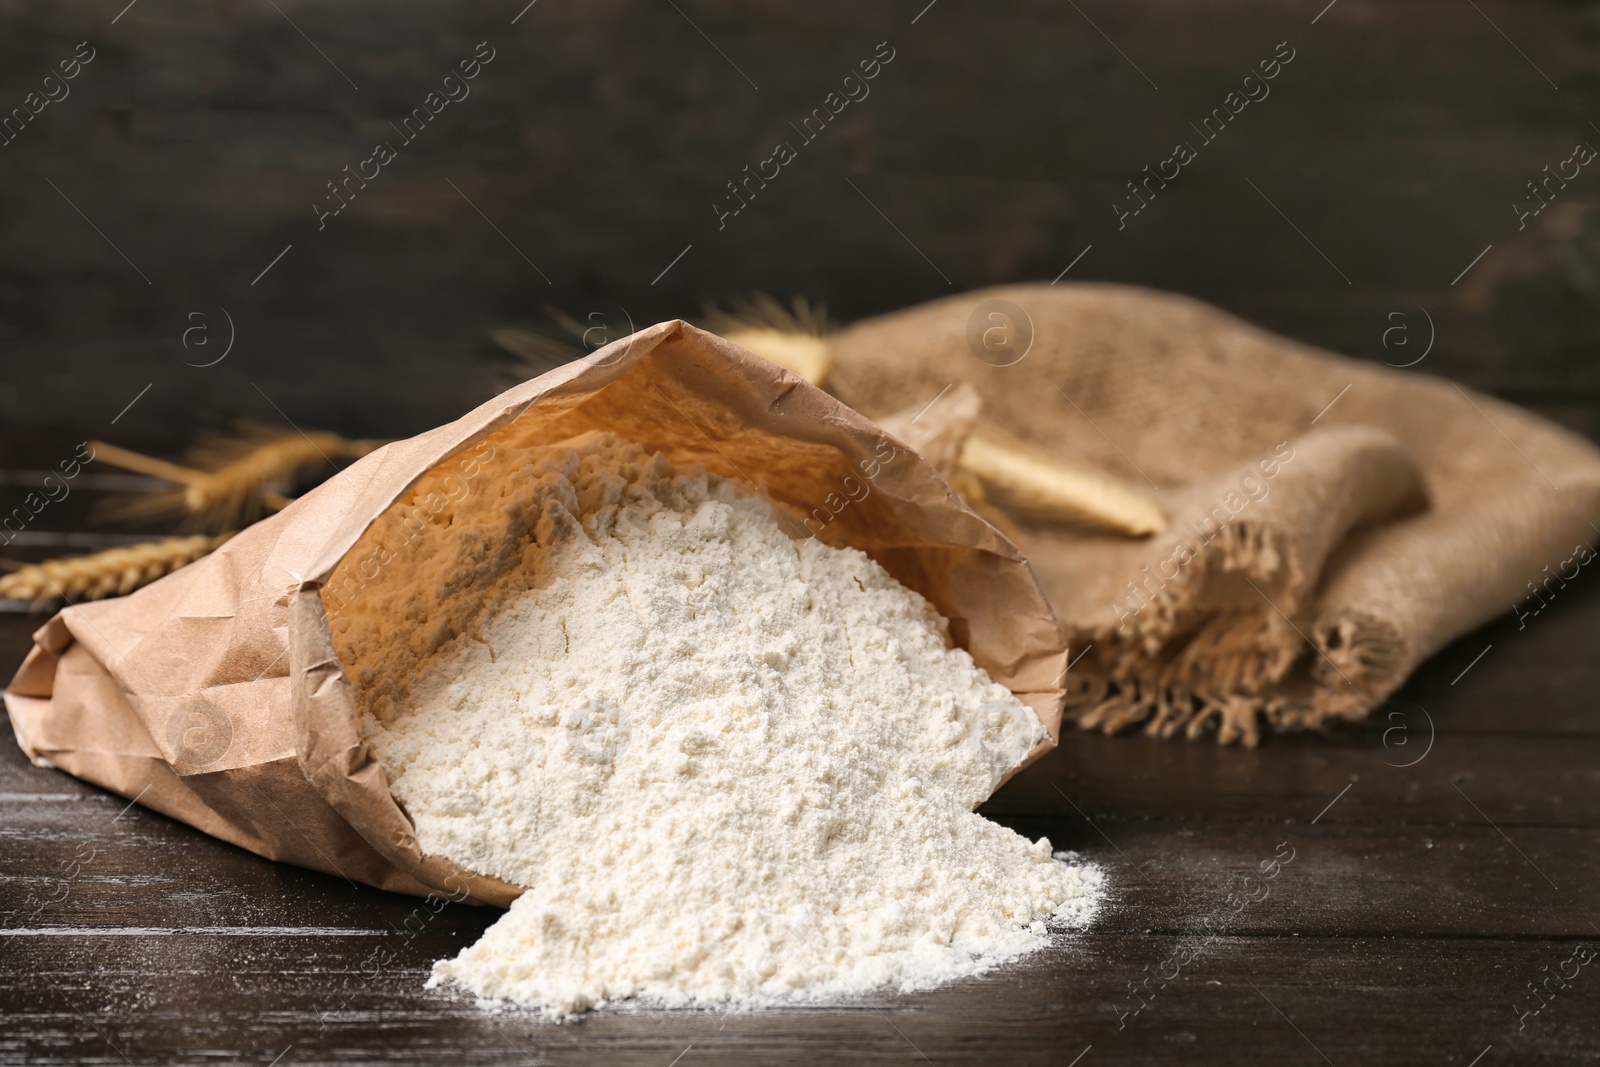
[{"x": 731, "y": 767}]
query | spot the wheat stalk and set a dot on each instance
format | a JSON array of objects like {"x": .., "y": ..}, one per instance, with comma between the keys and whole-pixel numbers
[
  {"x": 230, "y": 480},
  {"x": 1035, "y": 486},
  {"x": 112, "y": 572}
]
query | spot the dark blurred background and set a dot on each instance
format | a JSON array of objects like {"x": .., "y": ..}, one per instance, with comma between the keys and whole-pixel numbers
[{"x": 172, "y": 188}]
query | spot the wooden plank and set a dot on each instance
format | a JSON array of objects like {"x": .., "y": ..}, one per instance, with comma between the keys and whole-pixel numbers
[
  {"x": 1357, "y": 999},
  {"x": 1535, "y": 781},
  {"x": 77, "y": 864}
]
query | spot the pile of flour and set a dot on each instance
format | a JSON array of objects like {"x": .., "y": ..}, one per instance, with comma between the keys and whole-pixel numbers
[{"x": 731, "y": 767}]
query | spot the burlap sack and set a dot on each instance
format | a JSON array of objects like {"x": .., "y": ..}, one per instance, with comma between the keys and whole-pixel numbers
[
  {"x": 1314, "y": 555},
  {"x": 215, "y": 695}
]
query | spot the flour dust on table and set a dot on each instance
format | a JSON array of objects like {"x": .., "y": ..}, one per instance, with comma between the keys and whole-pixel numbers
[{"x": 732, "y": 768}]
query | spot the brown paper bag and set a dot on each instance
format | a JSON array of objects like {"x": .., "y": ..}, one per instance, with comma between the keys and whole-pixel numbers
[{"x": 215, "y": 695}]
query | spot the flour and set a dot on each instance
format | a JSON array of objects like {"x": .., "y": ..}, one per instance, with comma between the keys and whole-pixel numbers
[{"x": 732, "y": 768}]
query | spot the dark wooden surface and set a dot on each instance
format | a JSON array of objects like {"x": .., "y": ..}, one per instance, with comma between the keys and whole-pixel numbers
[
  {"x": 1418, "y": 904},
  {"x": 1421, "y": 900}
]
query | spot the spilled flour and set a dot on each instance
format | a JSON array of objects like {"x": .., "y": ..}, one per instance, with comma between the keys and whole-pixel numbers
[{"x": 732, "y": 768}]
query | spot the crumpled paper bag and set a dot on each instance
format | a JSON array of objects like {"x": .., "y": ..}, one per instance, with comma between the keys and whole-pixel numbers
[{"x": 216, "y": 697}]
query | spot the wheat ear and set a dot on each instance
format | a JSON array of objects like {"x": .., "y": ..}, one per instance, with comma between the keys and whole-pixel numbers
[
  {"x": 233, "y": 479},
  {"x": 794, "y": 337},
  {"x": 112, "y": 572},
  {"x": 536, "y": 351}
]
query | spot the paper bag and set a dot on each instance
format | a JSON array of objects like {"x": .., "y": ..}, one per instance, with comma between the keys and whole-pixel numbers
[{"x": 216, "y": 696}]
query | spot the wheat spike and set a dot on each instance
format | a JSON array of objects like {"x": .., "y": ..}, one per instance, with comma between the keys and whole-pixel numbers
[
  {"x": 237, "y": 469},
  {"x": 535, "y": 350},
  {"x": 794, "y": 337},
  {"x": 763, "y": 312},
  {"x": 112, "y": 572},
  {"x": 231, "y": 480},
  {"x": 808, "y": 357}
]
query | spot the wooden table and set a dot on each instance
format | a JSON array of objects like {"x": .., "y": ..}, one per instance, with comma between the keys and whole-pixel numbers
[{"x": 1382, "y": 893}]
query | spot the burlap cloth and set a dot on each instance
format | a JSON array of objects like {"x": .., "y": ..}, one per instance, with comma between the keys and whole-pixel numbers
[{"x": 1314, "y": 555}]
